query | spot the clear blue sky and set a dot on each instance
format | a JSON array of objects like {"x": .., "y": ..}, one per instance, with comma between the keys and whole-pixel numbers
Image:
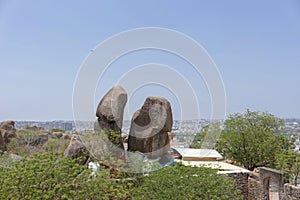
[{"x": 255, "y": 44}]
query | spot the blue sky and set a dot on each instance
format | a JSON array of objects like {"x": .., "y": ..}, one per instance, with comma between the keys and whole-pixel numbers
[{"x": 255, "y": 45}]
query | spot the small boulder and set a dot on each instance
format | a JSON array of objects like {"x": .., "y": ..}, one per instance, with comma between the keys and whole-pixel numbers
[
  {"x": 66, "y": 137},
  {"x": 57, "y": 134},
  {"x": 77, "y": 150}
]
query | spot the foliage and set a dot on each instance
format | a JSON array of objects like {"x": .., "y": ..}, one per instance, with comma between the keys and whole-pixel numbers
[
  {"x": 208, "y": 136},
  {"x": 198, "y": 140},
  {"x": 49, "y": 176},
  {"x": 252, "y": 139},
  {"x": 181, "y": 182},
  {"x": 57, "y": 130},
  {"x": 289, "y": 163},
  {"x": 56, "y": 145},
  {"x": 28, "y": 141},
  {"x": 22, "y": 144}
]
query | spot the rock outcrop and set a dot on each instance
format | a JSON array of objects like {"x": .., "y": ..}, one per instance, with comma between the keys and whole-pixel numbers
[
  {"x": 150, "y": 126},
  {"x": 57, "y": 134},
  {"x": 77, "y": 150},
  {"x": 8, "y": 131}
]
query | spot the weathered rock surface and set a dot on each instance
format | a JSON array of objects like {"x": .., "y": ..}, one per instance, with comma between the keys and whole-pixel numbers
[
  {"x": 110, "y": 114},
  {"x": 2, "y": 143},
  {"x": 66, "y": 137},
  {"x": 14, "y": 157},
  {"x": 8, "y": 130},
  {"x": 76, "y": 149},
  {"x": 150, "y": 126},
  {"x": 57, "y": 134}
]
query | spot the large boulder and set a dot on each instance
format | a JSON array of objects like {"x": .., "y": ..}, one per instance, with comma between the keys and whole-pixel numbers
[
  {"x": 77, "y": 150},
  {"x": 150, "y": 126},
  {"x": 8, "y": 130},
  {"x": 110, "y": 115}
]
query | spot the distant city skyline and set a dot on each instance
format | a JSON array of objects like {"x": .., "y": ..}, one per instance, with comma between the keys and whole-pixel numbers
[{"x": 254, "y": 44}]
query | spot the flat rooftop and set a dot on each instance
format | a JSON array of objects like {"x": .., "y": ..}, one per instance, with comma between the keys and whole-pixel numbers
[
  {"x": 189, "y": 154},
  {"x": 224, "y": 168}
]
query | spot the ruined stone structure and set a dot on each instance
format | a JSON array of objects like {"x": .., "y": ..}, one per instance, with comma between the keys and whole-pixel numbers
[
  {"x": 291, "y": 192},
  {"x": 255, "y": 189},
  {"x": 241, "y": 180},
  {"x": 265, "y": 185}
]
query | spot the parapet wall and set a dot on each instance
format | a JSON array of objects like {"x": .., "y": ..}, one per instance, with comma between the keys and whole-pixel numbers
[
  {"x": 256, "y": 186},
  {"x": 291, "y": 192},
  {"x": 241, "y": 180}
]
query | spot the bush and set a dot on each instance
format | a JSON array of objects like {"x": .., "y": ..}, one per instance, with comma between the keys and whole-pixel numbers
[
  {"x": 54, "y": 145},
  {"x": 27, "y": 142},
  {"x": 181, "y": 182},
  {"x": 50, "y": 176},
  {"x": 57, "y": 130}
]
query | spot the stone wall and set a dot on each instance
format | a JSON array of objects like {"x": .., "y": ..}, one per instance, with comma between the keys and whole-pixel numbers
[
  {"x": 253, "y": 185},
  {"x": 255, "y": 188},
  {"x": 291, "y": 192},
  {"x": 241, "y": 180}
]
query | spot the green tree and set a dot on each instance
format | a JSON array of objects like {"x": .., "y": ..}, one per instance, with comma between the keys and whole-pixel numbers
[
  {"x": 252, "y": 139},
  {"x": 289, "y": 163}
]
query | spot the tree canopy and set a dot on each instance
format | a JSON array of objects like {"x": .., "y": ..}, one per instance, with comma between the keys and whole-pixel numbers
[{"x": 252, "y": 139}]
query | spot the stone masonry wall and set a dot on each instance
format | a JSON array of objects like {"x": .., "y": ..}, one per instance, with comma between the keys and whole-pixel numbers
[
  {"x": 255, "y": 188},
  {"x": 291, "y": 192},
  {"x": 241, "y": 180}
]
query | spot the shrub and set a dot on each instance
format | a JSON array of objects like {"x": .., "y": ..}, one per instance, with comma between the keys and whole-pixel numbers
[
  {"x": 54, "y": 145},
  {"x": 181, "y": 182},
  {"x": 57, "y": 130},
  {"x": 50, "y": 176}
]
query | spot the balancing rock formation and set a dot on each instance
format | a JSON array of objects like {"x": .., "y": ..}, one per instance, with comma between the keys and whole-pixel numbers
[
  {"x": 110, "y": 119},
  {"x": 149, "y": 128}
]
